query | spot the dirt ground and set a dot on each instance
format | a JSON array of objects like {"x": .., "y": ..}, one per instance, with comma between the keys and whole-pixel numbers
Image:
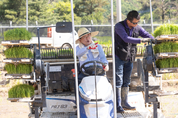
[
  {"x": 12, "y": 109},
  {"x": 169, "y": 104}
]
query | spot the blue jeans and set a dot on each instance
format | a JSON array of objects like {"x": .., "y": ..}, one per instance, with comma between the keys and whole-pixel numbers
[{"x": 123, "y": 72}]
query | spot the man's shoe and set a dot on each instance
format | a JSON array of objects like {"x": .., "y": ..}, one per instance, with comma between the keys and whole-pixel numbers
[
  {"x": 129, "y": 108},
  {"x": 124, "y": 96},
  {"x": 120, "y": 110}
]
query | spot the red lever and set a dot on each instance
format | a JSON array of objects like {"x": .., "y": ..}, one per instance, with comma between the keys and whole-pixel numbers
[{"x": 73, "y": 70}]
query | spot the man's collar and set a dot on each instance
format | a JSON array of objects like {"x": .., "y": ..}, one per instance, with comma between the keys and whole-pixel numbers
[{"x": 125, "y": 22}]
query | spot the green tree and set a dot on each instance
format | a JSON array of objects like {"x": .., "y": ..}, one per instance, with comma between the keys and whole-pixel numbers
[
  {"x": 167, "y": 9},
  {"x": 90, "y": 10},
  {"x": 13, "y": 10},
  {"x": 162, "y": 10},
  {"x": 128, "y": 5},
  {"x": 36, "y": 11},
  {"x": 60, "y": 11},
  {"x": 43, "y": 11}
]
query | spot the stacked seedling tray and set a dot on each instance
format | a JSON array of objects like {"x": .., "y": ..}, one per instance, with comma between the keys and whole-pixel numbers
[
  {"x": 56, "y": 53},
  {"x": 166, "y": 48},
  {"x": 18, "y": 61},
  {"x": 21, "y": 92}
]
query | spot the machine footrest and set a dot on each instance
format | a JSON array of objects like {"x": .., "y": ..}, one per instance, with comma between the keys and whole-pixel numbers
[
  {"x": 132, "y": 114},
  {"x": 141, "y": 88},
  {"x": 165, "y": 93}
]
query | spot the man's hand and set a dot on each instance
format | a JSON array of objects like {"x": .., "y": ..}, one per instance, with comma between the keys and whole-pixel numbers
[
  {"x": 144, "y": 40},
  {"x": 93, "y": 46},
  {"x": 106, "y": 68}
]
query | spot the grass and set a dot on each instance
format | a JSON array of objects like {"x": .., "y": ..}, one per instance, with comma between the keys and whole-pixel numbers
[
  {"x": 169, "y": 76},
  {"x": 17, "y": 34},
  {"x": 18, "y": 69},
  {"x": 104, "y": 40},
  {"x": 18, "y": 52},
  {"x": 21, "y": 91}
]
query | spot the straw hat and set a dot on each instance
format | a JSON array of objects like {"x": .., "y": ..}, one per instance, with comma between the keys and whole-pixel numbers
[{"x": 83, "y": 31}]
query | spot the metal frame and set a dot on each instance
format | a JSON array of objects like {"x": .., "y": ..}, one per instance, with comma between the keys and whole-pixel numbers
[{"x": 75, "y": 60}]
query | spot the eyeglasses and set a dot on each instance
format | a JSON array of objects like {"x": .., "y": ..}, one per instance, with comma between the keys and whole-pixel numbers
[
  {"x": 134, "y": 23},
  {"x": 86, "y": 36}
]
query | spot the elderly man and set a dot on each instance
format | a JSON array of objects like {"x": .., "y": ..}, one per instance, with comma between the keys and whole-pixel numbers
[{"x": 87, "y": 50}]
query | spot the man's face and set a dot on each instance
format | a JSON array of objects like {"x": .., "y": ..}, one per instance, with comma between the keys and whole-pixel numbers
[
  {"x": 86, "y": 39},
  {"x": 133, "y": 23}
]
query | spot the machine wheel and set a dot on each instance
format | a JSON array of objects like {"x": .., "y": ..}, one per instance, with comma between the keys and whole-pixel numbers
[{"x": 66, "y": 45}]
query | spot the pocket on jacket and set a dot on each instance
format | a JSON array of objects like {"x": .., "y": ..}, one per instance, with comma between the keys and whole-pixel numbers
[{"x": 122, "y": 54}]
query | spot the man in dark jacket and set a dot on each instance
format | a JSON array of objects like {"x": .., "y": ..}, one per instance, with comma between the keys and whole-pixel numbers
[{"x": 126, "y": 39}]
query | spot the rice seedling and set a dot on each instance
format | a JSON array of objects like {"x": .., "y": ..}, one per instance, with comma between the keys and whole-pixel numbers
[
  {"x": 18, "y": 69},
  {"x": 10, "y": 68},
  {"x": 176, "y": 62},
  {"x": 21, "y": 91},
  {"x": 166, "y": 47},
  {"x": 162, "y": 63},
  {"x": 167, "y": 63},
  {"x": 56, "y": 52},
  {"x": 18, "y": 52},
  {"x": 174, "y": 47},
  {"x": 171, "y": 62},
  {"x": 17, "y": 34},
  {"x": 166, "y": 29}
]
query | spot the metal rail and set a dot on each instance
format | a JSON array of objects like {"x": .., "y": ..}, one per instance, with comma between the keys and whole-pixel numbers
[{"x": 74, "y": 26}]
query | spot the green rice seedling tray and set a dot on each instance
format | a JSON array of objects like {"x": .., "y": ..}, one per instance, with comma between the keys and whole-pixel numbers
[
  {"x": 15, "y": 42},
  {"x": 18, "y": 52},
  {"x": 17, "y": 34},
  {"x": 18, "y": 60},
  {"x": 166, "y": 47},
  {"x": 168, "y": 39},
  {"x": 21, "y": 92},
  {"x": 18, "y": 68},
  {"x": 19, "y": 76},
  {"x": 167, "y": 70},
  {"x": 166, "y": 29},
  {"x": 20, "y": 100},
  {"x": 167, "y": 63},
  {"x": 167, "y": 55}
]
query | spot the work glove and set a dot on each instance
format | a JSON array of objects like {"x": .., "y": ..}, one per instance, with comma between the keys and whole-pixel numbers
[
  {"x": 92, "y": 46},
  {"x": 144, "y": 40},
  {"x": 106, "y": 67}
]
